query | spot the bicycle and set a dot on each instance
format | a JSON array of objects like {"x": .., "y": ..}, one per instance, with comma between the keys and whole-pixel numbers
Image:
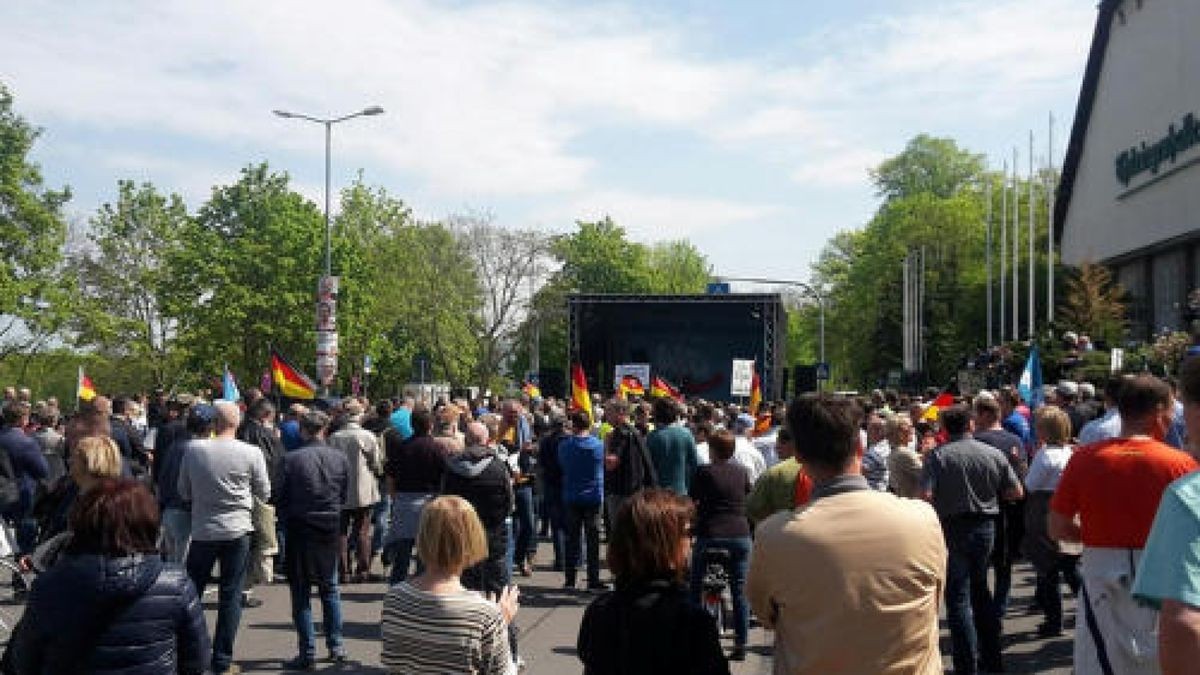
[
  {"x": 15, "y": 583},
  {"x": 715, "y": 587}
]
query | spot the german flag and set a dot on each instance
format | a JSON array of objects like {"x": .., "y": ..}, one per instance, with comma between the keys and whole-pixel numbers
[
  {"x": 531, "y": 390},
  {"x": 660, "y": 388},
  {"x": 581, "y": 398},
  {"x": 630, "y": 385},
  {"x": 755, "y": 392},
  {"x": 84, "y": 390},
  {"x": 943, "y": 400},
  {"x": 291, "y": 382}
]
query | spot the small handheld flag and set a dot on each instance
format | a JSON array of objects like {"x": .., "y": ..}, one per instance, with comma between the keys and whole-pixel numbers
[
  {"x": 581, "y": 399},
  {"x": 84, "y": 389},
  {"x": 660, "y": 388},
  {"x": 944, "y": 400},
  {"x": 755, "y": 392},
  {"x": 531, "y": 390},
  {"x": 1030, "y": 385},
  {"x": 630, "y": 385},
  {"x": 229, "y": 388},
  {"x": 291, "y": 381}
]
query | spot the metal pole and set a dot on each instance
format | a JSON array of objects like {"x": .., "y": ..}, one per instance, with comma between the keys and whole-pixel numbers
[
  {"x": 1016, "y": 251},
  {"x": 328, "y": 235},
  {"x": 1050, "y": 224},
  {"x": 988, "y": 255},
  {"x": 1003, "y": 248},
  {"x": 1032, "y": 262}
]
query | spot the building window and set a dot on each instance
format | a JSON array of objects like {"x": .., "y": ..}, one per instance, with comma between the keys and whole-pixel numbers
[
  {"x": 1170, "y": 294},
  {"x": 1132, "y": 277}
]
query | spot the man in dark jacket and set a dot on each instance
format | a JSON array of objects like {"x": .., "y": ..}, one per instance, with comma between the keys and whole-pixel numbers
[
  {"x": 27, "y": 465},
  {"x": 482, "y": 478},
  {"x": 310, "y": 490},
  {"x": 128, "y": 439},
  {"x": 414, "y": 470},
  {"x": 552, "y": 481},
  {"x": 626, "y": 460}
]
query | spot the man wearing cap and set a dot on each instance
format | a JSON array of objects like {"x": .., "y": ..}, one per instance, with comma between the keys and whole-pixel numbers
[
  {"x": 744, "y": 452},
  {"x": 221, "y": 476},
  {"x": 1068, "y": 399},
  {"x": 366, "y": 462},
  {"x": 176, "y": 511}
]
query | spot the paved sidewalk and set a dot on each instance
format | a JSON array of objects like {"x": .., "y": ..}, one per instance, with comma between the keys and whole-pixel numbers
[{"x": 549, "y": 620}]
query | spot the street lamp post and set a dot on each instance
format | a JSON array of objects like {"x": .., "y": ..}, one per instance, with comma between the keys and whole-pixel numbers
[
  {"x": 328, "y": 124},
  {"x": 802, "y": 286}
]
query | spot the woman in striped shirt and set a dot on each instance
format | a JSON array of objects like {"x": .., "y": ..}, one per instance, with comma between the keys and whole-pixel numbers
[{"x": 431, "y": 624}]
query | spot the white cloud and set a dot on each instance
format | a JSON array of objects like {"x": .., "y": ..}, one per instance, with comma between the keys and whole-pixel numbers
[
  {"x": 491, "y": 101},
  {"x": 657, "y": 217}
]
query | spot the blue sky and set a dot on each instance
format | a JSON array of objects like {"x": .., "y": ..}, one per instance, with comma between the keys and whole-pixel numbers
[{"x": 746, "y": 127}]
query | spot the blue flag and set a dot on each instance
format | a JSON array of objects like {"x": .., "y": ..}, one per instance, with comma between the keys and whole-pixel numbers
[
  {"x": 230, "y": 392},
  {"x": 1030, "y": 386}
]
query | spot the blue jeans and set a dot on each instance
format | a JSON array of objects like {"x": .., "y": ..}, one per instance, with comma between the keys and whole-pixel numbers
[
  {"x": 739, "y": 564},
  {"x": 553, "y": 505},
  {"x": 583, "y": 519},
  {"x": 380, "y": 519},
  {"x": 525, "y": 522},
  {"x": 401, "y": 553},
  {"x": 331, "y": 612},
  {"x": 233, "y": 555},
  {"x": 176, "y": 532},
  {"x": 970, "y": 607}
]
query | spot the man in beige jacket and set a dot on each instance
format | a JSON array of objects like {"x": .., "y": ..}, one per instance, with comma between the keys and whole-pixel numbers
[
  {"x": 850, "y": 583},
  {"x": 366, "y": 461}
]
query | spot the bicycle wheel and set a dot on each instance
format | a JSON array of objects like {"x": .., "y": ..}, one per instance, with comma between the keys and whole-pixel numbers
[{"x": 14, "y": 587}]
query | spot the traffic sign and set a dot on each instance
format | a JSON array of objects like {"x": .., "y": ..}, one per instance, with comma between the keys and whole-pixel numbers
[{"x": 822, "y": 371}]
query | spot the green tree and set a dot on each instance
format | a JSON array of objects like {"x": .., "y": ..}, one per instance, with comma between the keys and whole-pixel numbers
[
  {"x": 598, "y": 258},
  {"x": 32, "y": 234},
  {"x": 1094, "y": 304},
  {"x": 677, "y": 267},
  {"x": 125, "y": 282},
  {"x": 247, "y": 275}
]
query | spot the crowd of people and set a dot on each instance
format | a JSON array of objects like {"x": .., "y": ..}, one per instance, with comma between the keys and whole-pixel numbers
[{"x": 845, "y": 524}]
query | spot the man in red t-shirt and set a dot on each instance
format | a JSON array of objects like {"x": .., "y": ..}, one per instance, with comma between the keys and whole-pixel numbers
[{"x": 1114, "y": 487}]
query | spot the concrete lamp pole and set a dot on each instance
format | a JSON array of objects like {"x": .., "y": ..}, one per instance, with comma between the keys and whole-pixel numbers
[{"x": 328, "y": 124}]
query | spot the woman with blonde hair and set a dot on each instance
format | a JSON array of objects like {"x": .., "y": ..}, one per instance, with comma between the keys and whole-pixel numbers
[
  {"x": 1053, "y": 561},
  {"x": 94, "y": 459},
  {"x": 431, "y": 623}
]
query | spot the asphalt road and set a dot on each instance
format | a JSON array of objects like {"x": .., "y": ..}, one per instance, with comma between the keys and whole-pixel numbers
[{"x": 549, "y": 620}]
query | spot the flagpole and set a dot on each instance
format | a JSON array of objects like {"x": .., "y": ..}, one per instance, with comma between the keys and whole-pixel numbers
[
  {"x": 1003, "y": 246},
  {"x": 1050, "y": 187},
  {"x": 988, "y": 228},
  {"x": 1016, "y": 250},
  {"x": 1032, "y": 262}
]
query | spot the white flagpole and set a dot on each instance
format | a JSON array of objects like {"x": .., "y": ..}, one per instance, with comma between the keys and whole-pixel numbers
[
  {"x": 1032, "y": 263},
  {"x": 1016, "y": 250},
  {"x": 1003, "y": 248},
  {"x": 1050, "y": 187},
  {"x": 987, "y": 192}
]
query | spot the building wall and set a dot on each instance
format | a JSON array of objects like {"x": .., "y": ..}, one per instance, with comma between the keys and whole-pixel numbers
[
  {"x": 1144, "y": 223},
  {"x": 1150, "y": 80}
]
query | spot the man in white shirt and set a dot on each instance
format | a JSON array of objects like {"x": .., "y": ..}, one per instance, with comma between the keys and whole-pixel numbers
[{"x": 744, "y": 452}]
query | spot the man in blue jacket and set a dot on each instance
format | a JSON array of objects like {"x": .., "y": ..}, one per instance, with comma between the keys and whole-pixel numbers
[
  {"x": 581, "y": 456},
  {"x": 28, "y": 468}
]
